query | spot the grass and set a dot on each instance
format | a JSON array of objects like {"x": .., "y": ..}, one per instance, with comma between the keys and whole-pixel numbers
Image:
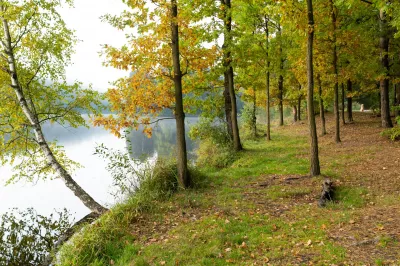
[{"x": 233, "y": 220}]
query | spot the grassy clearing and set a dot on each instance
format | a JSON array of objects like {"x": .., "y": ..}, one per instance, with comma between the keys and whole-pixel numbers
[{"x": 247, "y": 214}]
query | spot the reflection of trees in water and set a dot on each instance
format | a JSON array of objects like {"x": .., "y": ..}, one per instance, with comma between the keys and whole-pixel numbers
[{"x": 162, "y": 142}]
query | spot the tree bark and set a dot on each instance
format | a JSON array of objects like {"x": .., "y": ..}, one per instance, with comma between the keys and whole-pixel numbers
[
  {"x": 280, "y": 80},
  {"x": 342, "y": 113},
  {"x": 335, "y": 72},
  {"x": 350, "y": 101},
  {"x": 314, "y": 158},
  {"x": 321, "y": 108},
  {"x": 228, "y": 107},
  {"x": 254, "y": 114},
  {"x": 229, "y": 74},
  {"x": 384, "y": 82},
  {"x": 33, "y": 119},
  {"x": 294, "y": 113},
  {"x": 268, "y": 107},
  {"x": 183, "y": 172}
]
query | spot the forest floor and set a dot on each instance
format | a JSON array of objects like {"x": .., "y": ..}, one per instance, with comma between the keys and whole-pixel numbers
[{"x": 262, "y": 210}]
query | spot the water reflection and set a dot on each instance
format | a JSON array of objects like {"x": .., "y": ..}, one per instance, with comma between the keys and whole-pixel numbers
[{"x": 162, "y": 142}]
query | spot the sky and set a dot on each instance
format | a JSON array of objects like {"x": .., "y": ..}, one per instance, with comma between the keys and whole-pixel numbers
[{"x": 84, "y": 18}]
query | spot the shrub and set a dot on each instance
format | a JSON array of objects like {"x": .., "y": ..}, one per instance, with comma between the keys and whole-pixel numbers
[
  {"x": 26, "y": 238},
  {"x": 392, "y": 133},
  {"x": 215, "y": 147}
]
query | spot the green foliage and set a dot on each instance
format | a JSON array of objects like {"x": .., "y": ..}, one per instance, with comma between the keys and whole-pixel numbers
[
  {"x": 248, "y": 120},
  {"x": 26, "y": 237},
  {"x": 392, "y": 133},
  {"x": 215, "y": 147},
  {"x": 42, "y": 46}
]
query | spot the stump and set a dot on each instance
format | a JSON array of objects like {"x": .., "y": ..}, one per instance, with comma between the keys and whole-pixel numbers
[{"x": 327, "y": 192}]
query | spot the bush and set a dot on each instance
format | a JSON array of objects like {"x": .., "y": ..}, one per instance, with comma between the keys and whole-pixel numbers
[
  {"x": 215, "y": 147},
  {"x": 392, "y": 133},
  {"x": 26, "y": 238},
  {"x": 249, "y": 121}
]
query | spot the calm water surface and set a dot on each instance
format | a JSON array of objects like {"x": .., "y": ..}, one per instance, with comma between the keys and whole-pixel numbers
[{"x": 47, "y": 196}]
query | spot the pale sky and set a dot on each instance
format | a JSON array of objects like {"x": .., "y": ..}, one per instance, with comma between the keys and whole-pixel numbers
[{"x": 84, "y": 18}]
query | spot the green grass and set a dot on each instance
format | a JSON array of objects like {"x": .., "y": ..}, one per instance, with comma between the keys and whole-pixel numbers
[{"x": 223, "y": 223}]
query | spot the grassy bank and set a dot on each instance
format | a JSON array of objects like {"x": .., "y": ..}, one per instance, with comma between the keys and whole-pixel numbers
[{"x": 262, "y": 210}]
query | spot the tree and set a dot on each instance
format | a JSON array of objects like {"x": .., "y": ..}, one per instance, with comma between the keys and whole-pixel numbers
[
  {"x": 37, "y": 46},
  {"x": 321, "y": 107},
  {"x": 183, "y": 172},
  {"x": 334, "y": 13},
  {"x": 349, "y": 101},
  {"x": 228, "y": 73},
  {"x": 167, "y": 60},
  {"x": 314, "y": 158},
  {"x": 384, "y": 81}
]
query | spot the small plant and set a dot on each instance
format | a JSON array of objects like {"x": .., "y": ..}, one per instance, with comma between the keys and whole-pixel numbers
[
  {"x": 392, "y": 133},
  {"x": 215, "y": 148}
]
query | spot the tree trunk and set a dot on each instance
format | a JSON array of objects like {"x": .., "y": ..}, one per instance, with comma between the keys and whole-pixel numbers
[
  {"x": 349, "y": 101},
  {"x": 314, "y": 158},
  {"x": 229, "y": 74},
  {"x": 321, "y": 108},
  {"x": 384, "y": 82},
  {"x": 268, "y": 81},
  {"x": 335, "y": 72},
  {"x": 343, "y": 96},
  {"x": 294, "y": 113},
  {"x": 33, "y": 119},
  {"x": 397, "y": 97},
  {"x": 228, "y": 107},
  {"x": 254, "y": 115},
  {"x": 299, "y": 105},
  {"x": 183, "y": 172},
  {"x": 280, "y": 81}
]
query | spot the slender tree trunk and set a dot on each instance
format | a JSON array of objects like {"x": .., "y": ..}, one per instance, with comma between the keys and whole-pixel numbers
[
  {"x": 314, "y": 158},
  {"x": 254, "y": 114},
  {"x": 349, "y": 101},
  {"x": 384, "y": 82},
  {"x": 343, "y": 96},
  {"x": 31, "y": 115},
  {"x": 321, "y": 108},
  {"x": 299, "y": 105},
  {"x": 294, "y": 113},
  {"x": 280, "y": 80},
  {"x": 183, "y": 172},
  {"x": 335, "y": 72},
  {"x": 229, "y": 74},
  {"x": 268, "y": 80}
]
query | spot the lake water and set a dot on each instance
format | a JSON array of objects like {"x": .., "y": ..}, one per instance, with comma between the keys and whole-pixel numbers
[{"x": 49, "y": 195}]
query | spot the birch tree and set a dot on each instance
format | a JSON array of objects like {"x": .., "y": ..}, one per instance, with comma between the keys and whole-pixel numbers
[{"x": 36, "y": 47}]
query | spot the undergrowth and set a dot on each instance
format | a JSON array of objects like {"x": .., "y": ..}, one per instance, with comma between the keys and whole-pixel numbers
[
  {"x": 243, "y": 214},
  {"x": 110, "y": 236}
]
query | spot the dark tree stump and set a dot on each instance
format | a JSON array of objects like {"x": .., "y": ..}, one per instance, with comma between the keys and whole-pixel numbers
[{"x": 327, "y": 192}]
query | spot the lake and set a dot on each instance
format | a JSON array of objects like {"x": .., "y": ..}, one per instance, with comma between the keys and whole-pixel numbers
[{"x": 49, "y": 195}]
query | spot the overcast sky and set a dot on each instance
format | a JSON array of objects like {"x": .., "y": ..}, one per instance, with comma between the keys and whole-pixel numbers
[{"x": 84, "y": 18}]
